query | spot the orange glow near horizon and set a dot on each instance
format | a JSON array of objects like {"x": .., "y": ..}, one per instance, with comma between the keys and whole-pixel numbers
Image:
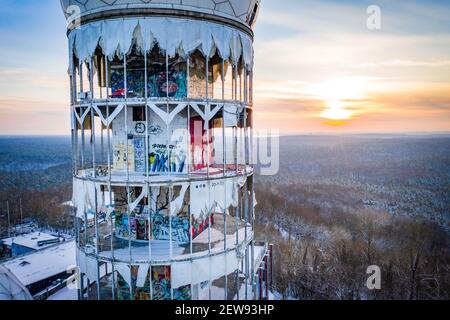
[{"x": 309, "y": 76}]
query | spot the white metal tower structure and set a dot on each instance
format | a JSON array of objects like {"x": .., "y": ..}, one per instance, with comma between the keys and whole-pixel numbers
[{"x": 162, "y": 109}]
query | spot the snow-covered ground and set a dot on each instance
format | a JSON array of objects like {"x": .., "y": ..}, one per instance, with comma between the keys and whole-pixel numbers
[{"x": 65, "y": 294}]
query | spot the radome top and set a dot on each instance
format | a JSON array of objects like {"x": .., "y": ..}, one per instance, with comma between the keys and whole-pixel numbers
[{"x": 244, "y": 11}]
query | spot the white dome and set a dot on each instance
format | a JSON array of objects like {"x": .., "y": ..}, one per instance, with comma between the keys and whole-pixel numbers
[
  {"x": 11, "y": 288},
  {"x": 244, "y": 11}
]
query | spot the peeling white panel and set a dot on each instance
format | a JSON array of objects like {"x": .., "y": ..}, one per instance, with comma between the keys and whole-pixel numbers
[
  {"x": 116, "y": 36},
  {"x": 230, "y": 115},
  {"x": 125, "y": 271},
  {"x": 84, "y": 196},
  {"x": 177, "y": 204},
  {"x": 87, "y": 265},
  {"x": 142, "y": 275},
  {"x": 220, "y": 195},
  {"x": 201, "y": 270}
]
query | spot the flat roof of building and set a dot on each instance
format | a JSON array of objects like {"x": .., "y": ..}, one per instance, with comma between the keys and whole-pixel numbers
[
  {"x": 30, "y": 240},
  {"x": 43, "y": 264}
]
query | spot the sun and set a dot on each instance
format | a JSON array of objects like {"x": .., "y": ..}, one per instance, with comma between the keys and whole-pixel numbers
[
  {"x": 336, "y": 94},
  {"x": 335, "y": 110}
]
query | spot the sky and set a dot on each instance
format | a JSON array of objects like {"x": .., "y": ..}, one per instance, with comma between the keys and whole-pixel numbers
[{"x": 318, "y": 68}]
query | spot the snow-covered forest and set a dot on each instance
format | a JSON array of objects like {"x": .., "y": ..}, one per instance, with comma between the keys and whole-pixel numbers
[
  {"x": 337, "y": 206},
  {"x": 341, "y": 204}
]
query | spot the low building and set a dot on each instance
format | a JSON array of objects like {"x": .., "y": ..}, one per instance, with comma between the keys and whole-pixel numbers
[
  {"x": 26, "y": 243},
  {"x": 43, "y": 270}
]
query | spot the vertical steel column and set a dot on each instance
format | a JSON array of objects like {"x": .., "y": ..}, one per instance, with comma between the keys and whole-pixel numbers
[
  {"x": 223, "y": 79},
  {"x": 147, "y": 168},
  {"x": 225, "y": 245},
  {"x": 223, "y": 120},
  {"x": 169, "y": 163},
  {"x": 224, "y": 156},
  {"x": 189, "y": 151},
  {"x": 189, "y": 138},
  {"x": 246, "y": 144},
  {"x": 91, "y": 89},
  {"x": 168, "y": 112},
  {"x": 73, "y": 121},
  {"x": 170, "y": 221},
  {"x": 207, "y": 111},
  {"x": 191, "y": 245},
  {"x": 188, "y": 71},
  {"x": 208, "y": 163},
  {"x": 253, "y": 162},
  {"x": 97, "y": 243},
  {"x": 245, "y": 85},
  {"x": 150, "y": 227},
  {"x": 108, "y": 132},
  {"x": 83, "y": 141},
  {"x": 127, "y": 170}
]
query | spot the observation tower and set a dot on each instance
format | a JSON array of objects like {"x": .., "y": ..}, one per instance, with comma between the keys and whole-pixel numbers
[{"x": 162, "y": 115}]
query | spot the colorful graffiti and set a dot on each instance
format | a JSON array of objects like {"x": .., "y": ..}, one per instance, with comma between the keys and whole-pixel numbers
[
  {"x": 135, "y": 83},
  {"x": 140, "y": 294},
  {"x": 174, "y": 86},
  {"x": 161, "y": 283},
  {"x": 161, "y": 286},
  {"x": 201, "y": 224},
  {"x": 182, "y": 294},
  {"x": 160, "y": 227},
  {"x": 161, "y": 161},
  {"x": 158, "y": 86},
  {"x": 139, "y": 154}
]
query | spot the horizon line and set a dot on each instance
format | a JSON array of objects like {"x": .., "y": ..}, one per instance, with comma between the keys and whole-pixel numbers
[{"x": 318, "y": 133}]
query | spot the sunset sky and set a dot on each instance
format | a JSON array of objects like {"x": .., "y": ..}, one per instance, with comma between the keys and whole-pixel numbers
[{"x": 318, "y": 67}]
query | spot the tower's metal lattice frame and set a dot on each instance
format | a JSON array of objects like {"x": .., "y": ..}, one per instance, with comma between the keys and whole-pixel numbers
[{"x": 117, "y": 266}]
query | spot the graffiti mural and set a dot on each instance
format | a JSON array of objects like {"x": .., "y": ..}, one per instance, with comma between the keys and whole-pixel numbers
[
  {"x": 174, "y": 86},
  {"x": 182, "y": 293},
  {"x": 201, "y": 224},
  {"x": 139, "y": 154},
  {"x": 161, "y": 283},
  {"x": 122, "y": 224},
  {"x": 162, "y": 160},
  {"x": 160, "y": 226},
  {"x": 144, "y": 292},
  {"x": 135, "y": 83}
]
